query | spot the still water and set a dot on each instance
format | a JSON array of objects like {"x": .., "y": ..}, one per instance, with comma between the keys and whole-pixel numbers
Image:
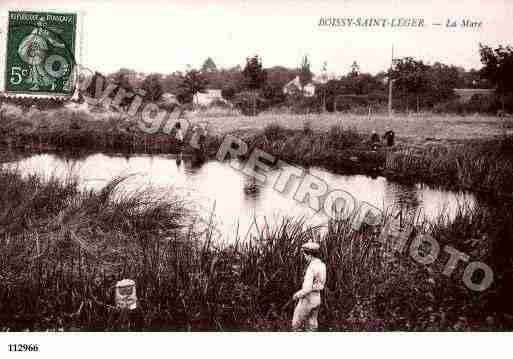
[{"x": 237, "y": 202}]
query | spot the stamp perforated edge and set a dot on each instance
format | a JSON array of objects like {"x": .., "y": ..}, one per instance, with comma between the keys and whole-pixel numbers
[{"x": 78, "y": 50}]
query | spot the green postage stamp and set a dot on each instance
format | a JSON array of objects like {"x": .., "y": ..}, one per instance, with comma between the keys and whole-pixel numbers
[{"x": 40, "y": 53}]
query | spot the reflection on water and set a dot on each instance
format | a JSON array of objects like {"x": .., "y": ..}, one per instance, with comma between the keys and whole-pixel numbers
[{"x": 239, "y": 201}]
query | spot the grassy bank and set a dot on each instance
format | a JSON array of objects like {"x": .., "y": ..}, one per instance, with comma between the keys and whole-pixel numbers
[
  {"x": 481, "y": 166},
  {"x": 63, "y": 250},
  {"x": 339, "y": 149}
]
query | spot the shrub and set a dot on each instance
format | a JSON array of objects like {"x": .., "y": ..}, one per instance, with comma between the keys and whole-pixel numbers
[
  {"x": 228, "y": 92},
  {"x": 274, "y": 95},
  {"x": 249, "y": 103},
  {"x": 340, "y": 138},
  {"x": 482, "y": 104},
  {"x": 452, "y": 106},
  {"x": 274, "y": 132},
  {"x": 219, "y": 103},
  {"x": 306, "y": 105},
  {"x": 486, "y": 104}
]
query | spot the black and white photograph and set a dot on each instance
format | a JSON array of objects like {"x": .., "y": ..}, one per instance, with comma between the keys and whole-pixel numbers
[{"x": 255, "y": 166}]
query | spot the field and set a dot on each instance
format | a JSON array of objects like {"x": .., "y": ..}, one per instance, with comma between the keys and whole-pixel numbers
[
  {"x": 414, "y": 128},
  {"x": 410, "y": 127}
]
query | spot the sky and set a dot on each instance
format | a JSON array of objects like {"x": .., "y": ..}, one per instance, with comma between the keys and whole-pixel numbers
[{"x": 166, "y": 36}]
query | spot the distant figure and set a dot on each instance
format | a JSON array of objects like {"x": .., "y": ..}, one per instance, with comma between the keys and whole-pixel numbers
[
  {"x": 374, "y": 136},
  {"x": 309, "y": 297},
  {"x": 374, "y": 140},
  {"x": 179, "y": 141},
  {"x": 202, "y": 132},
  {"x": 179, "y": 133},
  {"x": 389, "y": 137},
  {"x": 200, "y": 136}
]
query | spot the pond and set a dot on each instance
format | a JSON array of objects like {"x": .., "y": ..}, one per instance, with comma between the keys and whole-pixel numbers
[{"x": 236, "y": 200}]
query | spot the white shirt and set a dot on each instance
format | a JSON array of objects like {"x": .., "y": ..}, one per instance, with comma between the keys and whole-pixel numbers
[
  {"x": 179, "y": 135},
  {"x": 315, "y": 277}
]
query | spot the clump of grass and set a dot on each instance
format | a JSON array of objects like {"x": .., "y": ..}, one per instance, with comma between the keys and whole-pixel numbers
[
  {"x": 339, "y": 138},
  {"x": 275, "y": 132},
  {"x": 64, "y": 248},
  {"x": 333, "y": 149},
  {"x": 307, "y": 127},
  {"x": 481, "y": 167}
]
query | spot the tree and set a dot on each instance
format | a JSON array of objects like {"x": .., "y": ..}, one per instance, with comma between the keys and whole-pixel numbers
[
  {"x": 329, "y": 92},
  {"x": 254, "y": 78},
  {"x": 123, "y": 77},
  {"x": 442, "y": 80},
  {"x": 355, "y": 70},
  {"x": 209, "y": 66},
  {"x": 96, "y": 86},
  {"x": 224, "y": 78},
  {"x": 228, "y": 93},
  {"x": 249, "y": 102},
  {"x": 324, "y": 80},
  {"x": 253, "y": 75},
  {"x": 171, "y": 82},
  {"x": 361, "y": 84},
  {"x": 498, "y": 68},
  {"x": 99, "y": 84},
  {"x": 472, "y": 79},
  {"x": 273, "y": 94},
  {"x": 410, "y": 76},
  {"x": 192, "y": 83},
  {"x": 280, "y": 76},
  {"x": 305, "y": 75},
  {"x": 152, "y": 85}
]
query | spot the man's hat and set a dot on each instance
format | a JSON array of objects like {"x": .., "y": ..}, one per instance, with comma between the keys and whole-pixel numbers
[{"x": 310, "y": 247}]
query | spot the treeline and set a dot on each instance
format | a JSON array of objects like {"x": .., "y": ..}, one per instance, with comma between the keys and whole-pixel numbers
[{"x": 417, "y": 86}]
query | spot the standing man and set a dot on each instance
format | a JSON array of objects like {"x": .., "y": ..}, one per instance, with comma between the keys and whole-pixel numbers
[
  {"x": 389, "y": 136},
  {"x": 309, "y": 297},
  {"x": 374, "y": 140},
  {"x": 199, "y": 138},
  {"x": 179, "y": 142}
]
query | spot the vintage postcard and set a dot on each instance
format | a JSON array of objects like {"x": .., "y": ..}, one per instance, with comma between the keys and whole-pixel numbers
[{"x": 254, "y": 166}]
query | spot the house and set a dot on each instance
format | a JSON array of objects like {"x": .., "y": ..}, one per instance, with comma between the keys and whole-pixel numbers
[
  {"x": 294, "y": 86},
  {"x": 168, "y": 101},
  {"x": 466, "y": 94},
  {"x": 323, "y": 77},
  {"x": 208, "y": 97},
  {"x": 168, "y": 98}
]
